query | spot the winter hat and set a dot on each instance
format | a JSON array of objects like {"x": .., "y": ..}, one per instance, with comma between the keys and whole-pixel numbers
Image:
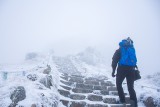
[{"x": 126, "y": 42}]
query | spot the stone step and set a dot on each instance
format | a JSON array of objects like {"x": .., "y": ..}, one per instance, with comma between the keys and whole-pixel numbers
[
  {"x": 64, "y": 74},
  {"x": 84, "y": 86},
  {"x": 97, "y": 92},
  {"x": 112, "y": 88},
  {"x": 67, "y": 83},
  {"x": 107, "y": 83},
  {"x": 119, "y": 105},
  {"x": 97, "y": 105},
  {"x": 91, "y": 79},
  {"x": 91, "y": 82},
  {"x": 77, "y": 104},
  {"x": 114, "y": 101},
  {"x": 83, "y": 104},
  {"x": 77, "y": 97},
  {"x": 115, "y": 93},
  {"x": 80, "y": 76},
  {"x": 64, "y": 77},
  {"x": 94, "y": 97},
  {"x": 64, "y": 92},
  {"x": 99, "y": 87},
  {"x": 96, "y": 79},
  {"x": 79, "y": 90},
  {"x": 104, "y": 92},
  {"x": 75, "y": 79},
  {"x": 66, "y": 87},
  {"x": 64, "y": 102},
  {"x": 110, "y": 100}
]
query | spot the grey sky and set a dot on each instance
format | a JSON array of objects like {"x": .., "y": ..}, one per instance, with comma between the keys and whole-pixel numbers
[{"x": 69, "y": 26}]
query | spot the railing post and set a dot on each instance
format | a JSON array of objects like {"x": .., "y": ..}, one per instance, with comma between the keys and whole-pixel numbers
[
  {"x": 23, "y": 73},
  {"x": 5, "y": 75}
]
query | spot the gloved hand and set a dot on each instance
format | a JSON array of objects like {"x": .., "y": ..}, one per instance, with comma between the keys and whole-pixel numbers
[{"x": 113, "y": 74}]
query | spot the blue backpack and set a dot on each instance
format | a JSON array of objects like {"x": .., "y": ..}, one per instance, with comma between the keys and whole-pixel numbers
[{"x": 128, "y": 54}]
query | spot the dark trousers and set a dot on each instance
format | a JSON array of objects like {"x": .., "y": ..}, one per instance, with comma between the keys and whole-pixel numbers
[{"x": 128, "y": 73}]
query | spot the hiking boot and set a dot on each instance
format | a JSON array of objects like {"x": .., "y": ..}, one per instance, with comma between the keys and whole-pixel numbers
[
  {"x": 133, "y": 104},
  {"x": 123, "y": 103}
]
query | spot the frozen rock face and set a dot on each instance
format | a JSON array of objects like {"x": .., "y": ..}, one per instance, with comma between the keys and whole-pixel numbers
[
  {"x": 47, "y": 70},
  {"x": 19, "y": 94},
  {"x": 47, "y": 81}
]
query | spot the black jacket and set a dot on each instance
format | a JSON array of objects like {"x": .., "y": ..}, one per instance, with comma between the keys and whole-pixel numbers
[{"x": 115, "y": 59}]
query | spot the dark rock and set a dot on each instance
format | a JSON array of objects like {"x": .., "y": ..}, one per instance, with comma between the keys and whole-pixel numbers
[
  {"x": 66, "y": 87},
  {"x": 95, "y": 98},
  {"x": 79, "y": 90},
  {"x": 91, "y": 82},
  {"x": 18, "y": 94},
  {"x": 33, "y": 105},
  {"x": 84, "y": 86},
  {"x": 149, "y": 102},
  {"x": 77, "y": 104},
  {"x": 77, "y": 97},
  {"x": 64, "y": 93},
  {"x": 47, "y": 81},
  {"x": 12, "y": 105},
  {"x": 67, "y": 83},
  {"x": 110, "y": 100},
  {"x": 97, "y": 105},
  {"x": 64, "y": 102},
  {"x": 32, "y": 77}
]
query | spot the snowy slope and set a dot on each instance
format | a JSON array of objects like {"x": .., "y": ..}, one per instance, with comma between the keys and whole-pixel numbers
[
  {"x": 36, "y": 93},
  {"x": 89, "y": 63}
]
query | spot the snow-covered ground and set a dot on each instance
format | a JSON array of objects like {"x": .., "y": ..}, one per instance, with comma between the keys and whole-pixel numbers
[
  {"x": 88, "y": 63},
  {"x": 12, "y": 76}
]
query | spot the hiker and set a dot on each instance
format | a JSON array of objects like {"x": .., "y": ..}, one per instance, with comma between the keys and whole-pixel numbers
[{"x": 126, "y": 60}]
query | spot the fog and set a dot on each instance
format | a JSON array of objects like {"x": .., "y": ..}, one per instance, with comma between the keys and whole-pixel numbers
[{"x": 69, "y": 26}]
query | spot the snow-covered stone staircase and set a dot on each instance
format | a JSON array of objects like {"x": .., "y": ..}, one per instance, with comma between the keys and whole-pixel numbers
[{"x": 79, "y": 91}]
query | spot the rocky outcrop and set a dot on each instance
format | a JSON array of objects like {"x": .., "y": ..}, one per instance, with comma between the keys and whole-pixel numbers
[
  {"x": 47, "y": 70},
  {"x": 18, "y": 94},
  {"x": 47, "y": 81}
]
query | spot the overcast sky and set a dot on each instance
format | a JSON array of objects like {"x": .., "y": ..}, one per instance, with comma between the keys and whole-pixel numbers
[{"x": 69, "y": 26}]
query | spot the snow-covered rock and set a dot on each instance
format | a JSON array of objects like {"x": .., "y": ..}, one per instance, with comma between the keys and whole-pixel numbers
[{"x": 18, "y": 94}]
